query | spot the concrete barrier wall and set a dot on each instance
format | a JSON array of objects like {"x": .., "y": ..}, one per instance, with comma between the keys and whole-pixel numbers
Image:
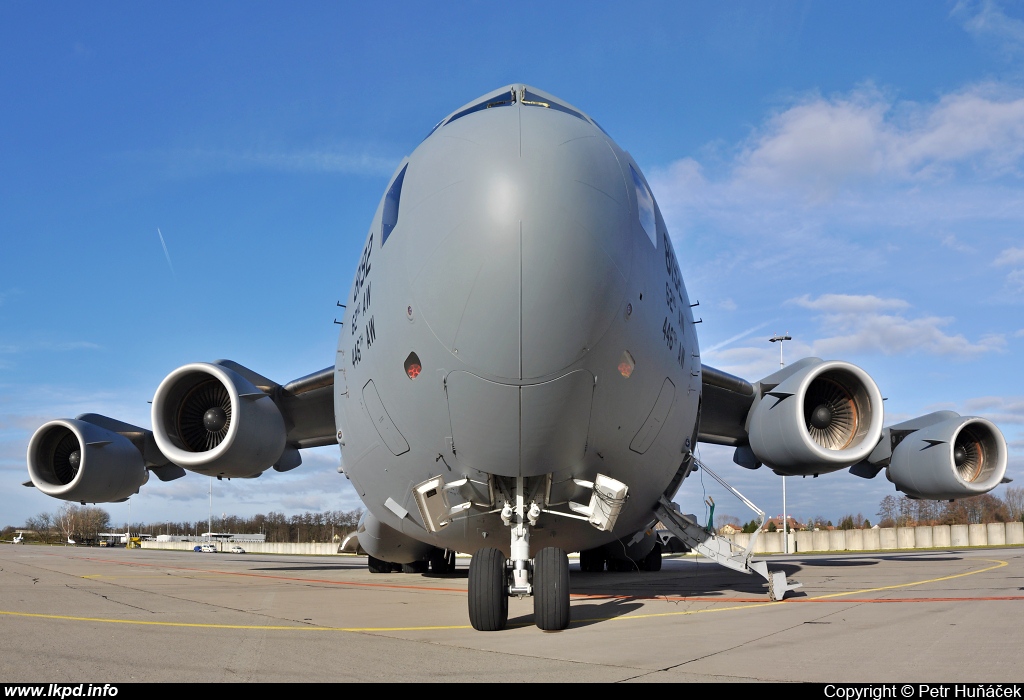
[
  {"x": 922, "y": 537},
  {"x": 1015, "y": 533},
  {"x": 977, "y": 535},
  {"x": 958, "y": 536},
  {"x": 905, "y": 538},
  {"x": 254, "y": 547},
  {"x": 995, "y": 533}
]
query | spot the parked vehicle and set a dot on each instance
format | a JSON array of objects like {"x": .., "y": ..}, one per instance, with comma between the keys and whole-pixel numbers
[
  {"x": 208, "y": 548},
  {"x": 237, "y": 550}
]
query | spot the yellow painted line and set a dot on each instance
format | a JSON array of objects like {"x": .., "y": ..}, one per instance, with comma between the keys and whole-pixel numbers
[
  {"x": 284, "y": 628},
  {"x": 999, "y": 565},
  {"x": 291, "y": 628}
]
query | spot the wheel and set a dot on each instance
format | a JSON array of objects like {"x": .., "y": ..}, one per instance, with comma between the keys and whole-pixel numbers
[
  {"x": 378, "y": 566},
  {"x": 488, "y": 590},
  {"x": 591, "y": 560},
  {"x": 416, "y": 567},
  {"x": 652, "y": 562},
  {"x": 551, "y": 589}
]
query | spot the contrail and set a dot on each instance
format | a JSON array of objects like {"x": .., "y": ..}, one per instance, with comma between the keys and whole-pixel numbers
[
  {"x": 736, "y": 337},
  {"x": 166, "y": 254}
]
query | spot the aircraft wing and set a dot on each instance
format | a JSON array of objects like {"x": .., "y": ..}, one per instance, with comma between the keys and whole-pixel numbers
[
  {"x": 726, "y": 402},
  {"x": 814, "y": 417}
]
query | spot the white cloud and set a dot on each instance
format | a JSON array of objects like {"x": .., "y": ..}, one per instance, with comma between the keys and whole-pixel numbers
[
  {"x": 824, "y": 143},
  {"x": 856, "y": 324},
  {"x": 999, "y": 409},
  {"x": 1015, "y": 281},
  {"x": 1019, "y": 334},
  {"x": 1010, "y": 256},
  {"x": 849, "y": 303},
  {"x": 988, "y": 23},
  {"x": 950, "y": 241}
]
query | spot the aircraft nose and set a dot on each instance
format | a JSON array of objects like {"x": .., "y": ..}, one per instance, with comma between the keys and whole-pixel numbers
[{"x": 528, "y": 226}]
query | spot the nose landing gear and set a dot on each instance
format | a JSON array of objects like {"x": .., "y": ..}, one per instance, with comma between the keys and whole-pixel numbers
[{"x": 492, "y": 578}]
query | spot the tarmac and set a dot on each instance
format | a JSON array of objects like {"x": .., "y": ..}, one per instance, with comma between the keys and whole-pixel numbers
[{"x": 77, "y": 615}]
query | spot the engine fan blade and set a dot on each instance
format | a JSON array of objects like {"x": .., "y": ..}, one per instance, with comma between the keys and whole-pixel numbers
[
  {"x": 830, "y": 414},
  {"x": 205, "y": 416}
]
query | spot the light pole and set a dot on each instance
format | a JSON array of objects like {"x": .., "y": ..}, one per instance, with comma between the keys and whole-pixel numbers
[
  {"x": 209, "y": 523},
  {"x": 785, "y": 520}
]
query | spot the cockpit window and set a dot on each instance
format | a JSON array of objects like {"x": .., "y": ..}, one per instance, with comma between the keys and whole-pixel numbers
[
  {"x": 389, "y": 219},
  {"x": 537, "y": 101},
  {"x": 645, "y": 207},
  {"x": 502, "y": 100}
]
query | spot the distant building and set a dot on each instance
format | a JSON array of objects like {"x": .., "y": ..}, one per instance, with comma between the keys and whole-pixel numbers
[
  {"x": 794, "y": 524},
  {"x": 215, "y": 536}
]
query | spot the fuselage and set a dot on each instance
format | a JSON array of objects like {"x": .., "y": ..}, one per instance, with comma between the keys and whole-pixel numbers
[{"x": 517, "y": 317}]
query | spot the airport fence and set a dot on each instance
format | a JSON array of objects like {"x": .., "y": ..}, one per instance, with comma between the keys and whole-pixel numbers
[{"x": 881, "y": 538}]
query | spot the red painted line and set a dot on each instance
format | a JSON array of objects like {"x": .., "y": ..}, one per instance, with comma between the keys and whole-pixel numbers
[
  {"x": 277, "y": 578},
  {"x": 763, "y": 599},
  {"x": 579, "y": 596}
]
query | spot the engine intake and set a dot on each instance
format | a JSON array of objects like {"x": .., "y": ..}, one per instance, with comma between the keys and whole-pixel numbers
[
  {"x": 79, "y": 461},
  {"x": 212, "y": 420},
  {"x": 815, "y": 417},
  {"x": 945, "y": 456}
]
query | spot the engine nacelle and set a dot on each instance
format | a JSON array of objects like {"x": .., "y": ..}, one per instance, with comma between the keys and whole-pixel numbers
[
  {"x": 949, "y": 456},
  {"x": 210, "y": 419},
  {"x": 79, "y": 461},
  {"x": 815, "y": 417},
  {"x": 388, "y": 544}
]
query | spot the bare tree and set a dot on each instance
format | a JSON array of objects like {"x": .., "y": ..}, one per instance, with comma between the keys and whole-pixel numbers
[
  {"x": 67, "y": 519},
  {"x": 887, "y": 511},
  {"x": 1014, "y": 500},
  {"x": 723, "y": 519}
]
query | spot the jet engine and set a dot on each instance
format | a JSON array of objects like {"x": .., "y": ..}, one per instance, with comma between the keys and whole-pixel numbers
[
  {"x": 210, "y": 419},
  {"x": 78, "y": 461},
  {"x": 815, "y": 417},
  {"x": 944, "y": 456},
  {"x": 388, "y": 544}
]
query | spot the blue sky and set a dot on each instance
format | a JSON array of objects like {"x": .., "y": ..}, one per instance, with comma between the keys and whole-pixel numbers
[{"x": 848, "y": 173}]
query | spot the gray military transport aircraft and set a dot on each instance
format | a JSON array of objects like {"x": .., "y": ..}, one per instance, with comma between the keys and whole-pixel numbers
[{"x": 518, "y": 377}]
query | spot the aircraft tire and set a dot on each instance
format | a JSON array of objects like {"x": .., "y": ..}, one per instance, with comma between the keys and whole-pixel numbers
[
  {"x": 416, "y": 567},
  {"x": 551, "y": 589},
  {"x": 652, "y": 562},
  {"x": 488, "y": 590},
  {"x": 378, "y": 566}
]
